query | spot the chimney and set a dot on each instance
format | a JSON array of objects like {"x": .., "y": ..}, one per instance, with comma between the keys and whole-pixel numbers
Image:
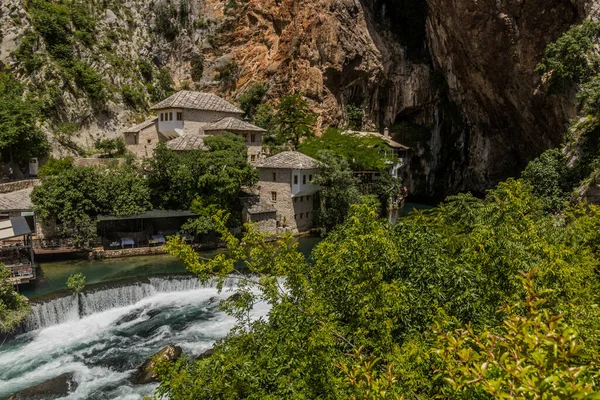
[{"x": 386, "y": 132}]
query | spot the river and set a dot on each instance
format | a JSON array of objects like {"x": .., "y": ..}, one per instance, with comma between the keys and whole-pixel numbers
[{"x": 130, "y": 309}]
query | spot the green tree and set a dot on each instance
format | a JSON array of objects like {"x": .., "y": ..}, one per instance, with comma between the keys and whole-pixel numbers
[
  {"x": 294, "y": 119},
  {"x": 354, "y": 321},
  {"x": 111, "y": 147},
  {"x": 549, "y": 176},
  {"x": 55, "y": 166},
  {"x": 252, "y": 97},
  {"x": 13, "y": 306},
  {"x": 338, "y": 190},
  {"x": 215, "y": 175},
  {"x": 76, "y": 282},
  {"x": 265, "y": 118},
  {"x": 74, "y": 198},
  {"x": 363, "y": 153},
  {"x": 20, "y": 135}
]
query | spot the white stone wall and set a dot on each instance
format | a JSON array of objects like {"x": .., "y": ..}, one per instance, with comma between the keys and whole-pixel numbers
[
  {"x": 299, "y": 177},
  {"x": 170, "y": 126}
]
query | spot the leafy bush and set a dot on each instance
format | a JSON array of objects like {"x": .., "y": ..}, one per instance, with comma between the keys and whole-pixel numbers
[
  {"x": 55, "y": 166},
  {"x": 252, "y": 97},
  {"x": 26, "y": 54},
  {"x": 355, "y": 116},
  {"x": 53, "y": 22},
  {"x": 166, "y": 20},
  {"x": 90, "y": 81},
  {"x": 146, "y": 70},
  {"x": 76, "y": 282},
  {"x": 162, "y": 86},
  {"x": 133, "y": 98},
  {"x": 571, "y": 57},
  {"x": 111, "y": 147},
  {"x": 228, "y": 73},
  {"x": 549, "y": 177},
  {"x": 13, "y": 306}
]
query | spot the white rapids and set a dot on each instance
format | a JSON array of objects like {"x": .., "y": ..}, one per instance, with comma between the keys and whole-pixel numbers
[{"x": 106, "y": 334}]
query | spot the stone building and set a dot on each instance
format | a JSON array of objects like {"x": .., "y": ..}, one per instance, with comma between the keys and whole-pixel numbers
[
  {"x": 186, "y": 118},
  {"x": 285, "y": 182},
  {"x": 261, "y": 212}
]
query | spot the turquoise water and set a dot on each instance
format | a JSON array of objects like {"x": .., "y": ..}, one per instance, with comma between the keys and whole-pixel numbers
[{"x": 52, "y": 276}]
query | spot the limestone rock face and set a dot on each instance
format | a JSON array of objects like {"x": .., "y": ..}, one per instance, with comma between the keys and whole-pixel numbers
[
  {"x": 461, "y": 71},
  {"x": 488, "y": 50}
]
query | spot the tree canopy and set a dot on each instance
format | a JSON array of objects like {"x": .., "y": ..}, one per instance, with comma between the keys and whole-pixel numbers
[
  {"x": 363, "y": 153},
  {"x": 76, "y": 195},
  {"x": 410, "y": 310},
  {"x": 13, "y": 306}
]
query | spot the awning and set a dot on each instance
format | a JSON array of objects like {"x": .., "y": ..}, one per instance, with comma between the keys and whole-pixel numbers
[
  {"x": 13, "y": 227},
  {"x": 153, "y": 214}
]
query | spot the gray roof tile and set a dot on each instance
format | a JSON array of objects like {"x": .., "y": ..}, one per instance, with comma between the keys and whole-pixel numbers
[
  {"x": 188, "y": 142},
  {"x": 232, "y": 125},
  {"x": 290, "y": 160},
  {"x": 139, "y": 127},
  {"x": 197, "y": 101}
]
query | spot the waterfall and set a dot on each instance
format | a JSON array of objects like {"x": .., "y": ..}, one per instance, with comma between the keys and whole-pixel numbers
[{"x": 74, "y": 307}]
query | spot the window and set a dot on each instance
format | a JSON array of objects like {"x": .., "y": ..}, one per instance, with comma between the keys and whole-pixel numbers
[
  {"x": 135, "y": 138},
  {"x": 301, "y": 199},
  {"x": 179, "y": 116},
  {"x": 253, "y": 138},
  {"x": 295, "y": 179},
  {"x": 295, "y": 199},
  {"x": 274, "y": 176},
  {"x": 252, "y": 158},
  {"x": 162, "y": 116},
  {"x": 274, "y": 197},
  {"x": 149, "y": 141},
  {"x": 301, "y": 214},
  {"x": 308, "y": 198},
  {"x": 304, "y": 179},
  {"x": 309, "y": 178},
  {"x": 171, "y": 116},
  {"x": 245, "y": 137}
]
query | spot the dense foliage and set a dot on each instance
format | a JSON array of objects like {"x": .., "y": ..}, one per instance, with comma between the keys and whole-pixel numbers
[
  {"x": 413, "y": 310},
  {"x": 363, "y": 153},
  {"x": 13, "y": 306},
  {"x": 288, "y": 123},
  {"x": 549, "y": 177},
  {"x": 74, "y": 196},
  {"x": 214, "y": 176},
  {"x": 20, "y": 135}
]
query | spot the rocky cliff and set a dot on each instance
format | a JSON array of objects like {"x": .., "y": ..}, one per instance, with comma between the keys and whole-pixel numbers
[{"x": 454, "y": 79}]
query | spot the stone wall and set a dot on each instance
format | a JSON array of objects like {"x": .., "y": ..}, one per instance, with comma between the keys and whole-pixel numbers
[
  {"x": 143, "y": 144},
  {"x": 303, "y": 212},
  {"x": 284, "y": 203},
  {"x": 98, "y": 162},
  {"x": 18, "y": 185},
  {"x": 137, "y": 251},
  {"x": 266, "y": 222}
]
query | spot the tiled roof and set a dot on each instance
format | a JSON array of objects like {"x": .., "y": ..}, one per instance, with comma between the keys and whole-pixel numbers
[
  {"x": 391, "y": 142},
  {"x": 197, "y": 101},
  {"x": 17, "y": 200},
  {"x": 139, "y": 127},
  {"x": 290, "y": 160},
  {"x": 187, "y": 142},
  {"x": 256, "y": 205},
  {"x": 232, "y": 124}
]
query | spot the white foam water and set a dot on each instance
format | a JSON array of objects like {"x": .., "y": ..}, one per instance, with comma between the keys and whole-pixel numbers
[{"x": 103, "y": 339}]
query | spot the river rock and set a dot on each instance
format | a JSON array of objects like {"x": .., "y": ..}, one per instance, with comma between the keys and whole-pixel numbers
[
  {"x": 146, "y": 372},
  {"x": 206, "y": 354},
  {"x": 53, "y": 388}
]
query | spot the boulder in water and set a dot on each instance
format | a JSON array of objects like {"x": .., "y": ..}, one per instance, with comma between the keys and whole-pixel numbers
[
  {"x": 53, "y": 388},
  {"x": 146, "y": 372}
]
